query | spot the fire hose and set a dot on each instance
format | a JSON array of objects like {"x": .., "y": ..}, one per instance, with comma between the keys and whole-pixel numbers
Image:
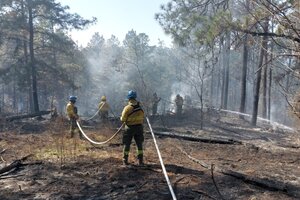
[
  {"x": 161, "y": 162},
  {"x": 99, "y": 143},
  {"x": 95, "y": 113}
]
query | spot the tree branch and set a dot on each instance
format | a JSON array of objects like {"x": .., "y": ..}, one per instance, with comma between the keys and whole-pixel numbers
[{"x": 268, "y": 34}]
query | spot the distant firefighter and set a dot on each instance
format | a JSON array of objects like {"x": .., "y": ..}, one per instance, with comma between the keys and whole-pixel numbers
[
  {"x": 53, "y": 113},
  {"x": 179, "y": 104},
  {"x": 103, "y": 109},
  {"x": 155, "y": 101},
  {"x": 72, "y": 113}
]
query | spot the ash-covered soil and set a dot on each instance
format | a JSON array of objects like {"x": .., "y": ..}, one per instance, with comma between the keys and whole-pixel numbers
[{"x": 262, "y": 164}]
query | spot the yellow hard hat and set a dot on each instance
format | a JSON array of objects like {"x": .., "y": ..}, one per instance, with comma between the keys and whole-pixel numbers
[{"x": 103, "y": 98}]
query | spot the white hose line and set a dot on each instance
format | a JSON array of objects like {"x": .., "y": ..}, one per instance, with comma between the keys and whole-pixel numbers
[
  {"x": 99, "y": 143},
  {"x": 259, "y": 118},
  {"x": 273, "y": 123},
  {"x": 161, "y": 162},
  {"x": 95, "y": 113}
]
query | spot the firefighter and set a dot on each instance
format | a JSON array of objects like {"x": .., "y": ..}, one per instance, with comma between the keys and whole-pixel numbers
[
  {"x": 53, "y": 113},
  {"x": 155, "y": 101},
  {"x": 133, "y": 117},
  {"x": 179, "y": 104},
  {"x": 72, "y": 113},
  {"x": 103, "y": 109}
]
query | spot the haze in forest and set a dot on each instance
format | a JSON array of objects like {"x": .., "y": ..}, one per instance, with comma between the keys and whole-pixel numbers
[
  {"x": 210, "y": 106},
  {"x": 235, "y": 55}
]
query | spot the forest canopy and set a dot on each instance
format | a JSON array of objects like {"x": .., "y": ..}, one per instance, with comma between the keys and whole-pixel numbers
[{"x": 240, "y": 55}]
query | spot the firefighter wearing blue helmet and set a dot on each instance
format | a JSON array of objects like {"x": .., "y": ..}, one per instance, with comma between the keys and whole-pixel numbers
[{"x": 133, "y": 117}]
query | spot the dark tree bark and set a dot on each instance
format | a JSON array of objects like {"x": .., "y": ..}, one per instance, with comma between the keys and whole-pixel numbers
[
  {"x": 265, "y": 77},
  {"x": 270, "y": 92},
  {"x": 198, "y": 139},
  {"x": 32, "y": 61},
  {"x": 258, "y": 76},
  {"x": 40, "y": 113},
  {"x": 26, "y": 62},
  {"x": 244, "y": 76},
  {"x": 270, "y": 75},
  {"x": 222, "y": 73},
  {"x": 244, "y": 69}
]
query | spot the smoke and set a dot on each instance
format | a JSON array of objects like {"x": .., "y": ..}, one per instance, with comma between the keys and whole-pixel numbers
[
  {"x": 108, "y": 79},
  {"x": 7, "y": 48},
  {"x": 178, "y": 88}
]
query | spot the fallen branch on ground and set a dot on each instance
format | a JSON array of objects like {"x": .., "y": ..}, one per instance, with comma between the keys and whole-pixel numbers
[
  {"x": 11, "y": 118},
  {"x": 2, "y": 151},
  {"x": 261, "y": 182},
  {"x": 203, "y": 193},
  {"x": 197, "y": 138},
  {"x": 212, "y": 167},
  {"x": 14, "y": 164},
  {"x": 13, "y": 176}
]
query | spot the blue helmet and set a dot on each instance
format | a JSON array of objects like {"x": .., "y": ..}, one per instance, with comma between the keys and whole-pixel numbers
[
  {"x": 72, "y": 98},
  {"x": 131, "y": 94}
]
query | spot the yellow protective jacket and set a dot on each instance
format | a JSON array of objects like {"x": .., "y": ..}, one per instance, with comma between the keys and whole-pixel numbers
[
  {"x": 70, "y": 109},
  {"x": 132, "y": 113},
  {"x": 105, "y": 106}
]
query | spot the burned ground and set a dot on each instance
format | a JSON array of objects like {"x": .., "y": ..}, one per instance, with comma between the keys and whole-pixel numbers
[{"x": 261, "y": 163}]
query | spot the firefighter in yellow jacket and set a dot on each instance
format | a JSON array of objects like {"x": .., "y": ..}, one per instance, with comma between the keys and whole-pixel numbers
[
  {"x": 133, "y": 117},
  {"x": 103, "y": 109},
  {"x": 72, "y": 113},
  {"x": 155, "y": 101}
]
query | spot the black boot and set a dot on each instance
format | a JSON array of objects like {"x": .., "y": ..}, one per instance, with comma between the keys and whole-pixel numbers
[
  {"x": 141, "y": 161},
  {"x": 72, "y": 134},
  {"x": 125, "y": 160},
  {"x": 81, "y": 136}
]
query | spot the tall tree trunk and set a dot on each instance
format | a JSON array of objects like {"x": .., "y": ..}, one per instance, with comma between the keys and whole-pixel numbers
[
  {"x": 244, "y": 76},
  {"x": 287, "y": 87},
  {"x": 258, "y": 76},
  {"x": 265, "y": 75},
  {"x": 219, "y": 88},
  {"x": 270, "y": 92},
  {"x": 201, "y": 92},
  {"x": 226, "y": 70},
  {"x": 30, "y": 101},
  {"x": 32, "y": 60},
  {"x": 222, "y": 73},
  {"x": 270, "y": 75},
  {"x": 212, "y": 86},
  {"x": 2, "y": 99},
  {"x": 15, "y": 109},
  {"x": 244, "y": 69},
  {"x": 25, "y": 62},
  {"x": 212, "y": 83}
]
